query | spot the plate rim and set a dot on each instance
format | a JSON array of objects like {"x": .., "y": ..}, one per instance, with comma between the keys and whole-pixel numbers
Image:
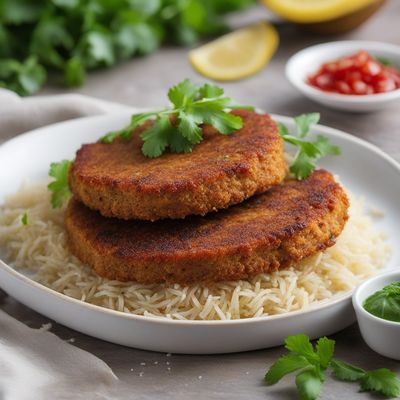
[{"x": 325, "y": 304}]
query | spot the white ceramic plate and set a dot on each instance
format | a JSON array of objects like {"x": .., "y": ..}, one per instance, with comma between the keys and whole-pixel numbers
[{"x": 363, "y": 168}]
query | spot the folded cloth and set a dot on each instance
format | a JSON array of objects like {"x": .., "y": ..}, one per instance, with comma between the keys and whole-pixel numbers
[
  {"x": 37, "y": 365},
  {"x": 19, "y": 115}
]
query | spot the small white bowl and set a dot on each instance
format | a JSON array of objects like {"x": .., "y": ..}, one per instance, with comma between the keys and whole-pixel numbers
[
  {"x": 379, "y": 334},
  {"x": 307, "y": 62}
]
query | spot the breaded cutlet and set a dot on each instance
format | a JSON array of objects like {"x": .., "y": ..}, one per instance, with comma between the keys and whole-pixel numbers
[
  {"x": 119, "y": 181},
  {"x": 270, "y": 231}
]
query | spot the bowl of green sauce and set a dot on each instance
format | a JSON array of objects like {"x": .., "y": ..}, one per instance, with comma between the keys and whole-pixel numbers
[{"x": 377, "y": 306}]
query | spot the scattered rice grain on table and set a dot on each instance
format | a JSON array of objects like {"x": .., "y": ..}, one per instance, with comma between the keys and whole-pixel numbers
[{"x": 40, "y": 248}]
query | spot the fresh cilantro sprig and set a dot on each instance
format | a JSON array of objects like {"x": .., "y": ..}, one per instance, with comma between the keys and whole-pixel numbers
[
  {"x": 59, "y": 187},
  {"x": 308, "y": 152},
  {"x": 72, "y": 37},
  {"x": 311, "y": 364},
  {"x": 179, "y": 128},
  {"x": 380, "y": 380}
]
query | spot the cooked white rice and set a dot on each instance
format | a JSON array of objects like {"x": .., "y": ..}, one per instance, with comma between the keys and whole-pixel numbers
[{"x": 39, "y": 247}]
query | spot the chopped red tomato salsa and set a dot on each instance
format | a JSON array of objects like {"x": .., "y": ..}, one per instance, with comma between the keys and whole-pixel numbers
[{"x": 357, "y": 74}]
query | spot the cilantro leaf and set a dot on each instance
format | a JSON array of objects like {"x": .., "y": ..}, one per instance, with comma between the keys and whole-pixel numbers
[
  {"x": 6, "y": 42},
  {"x": 325, "y": 348},
  {"x": 189, "y": 128},
  {"x": 74, "y": 73},
  {"x": 126, "y": 41},
  {"x": 302, "y": 166},
  {"x": 213, "y": 113},
  {"x": 208, "y": 90},
  {"x": 311, "y": 362},
  {"x": 50, "y": 40},
  {"x": 127, "y": 131},
  {"x": 20, "y": 11},
  {"x": 285, "y": 365},
  {"x": 301, "y": 344},
  {"x": 155, "y": 138},
  {"x": 66, "y": 3},
  {"x": 309, "y": 384},
  {"x": 381, "y": 380},
  {"x": 31, "y": 76},
  {"x": 308, "y": 152},
  {"x": 225, "y": 123},
  {"x": 110, "y": 136},
  {"x": 24, "y": 219},
  {"x": 59, "y": 187},
  {"x": 345, "y": 371},
  {"x": 136, "y": 121},
  {"x": 195, "y": 14},
  {"x": 99, "y": 48},
  {"x": 179, "y": 128},
  {"x": 147, "y": 8},
  {"x": 283, "y": 130},
  {"x": 25, "y": 77},
  {"x": 308, "y": 148},
  {"x": 136, "y": 37},
  {"x": 305, "y": 121},
  {"x": 183, "y": 93},
  {"x": 325, "y": 148},
  {"x": 179, "y": 144}
]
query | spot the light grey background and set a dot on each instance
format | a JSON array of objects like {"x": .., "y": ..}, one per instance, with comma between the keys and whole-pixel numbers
[{"x": 143, "y": 82}]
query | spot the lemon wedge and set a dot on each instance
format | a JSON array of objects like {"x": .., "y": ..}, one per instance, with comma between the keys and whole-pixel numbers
[
  {"x": 237, "y": 54},
  {"x": 309, "y": 11}
]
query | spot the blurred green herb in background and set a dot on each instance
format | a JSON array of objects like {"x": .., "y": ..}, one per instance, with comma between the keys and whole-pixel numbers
[{"x": 73, "y": 36}]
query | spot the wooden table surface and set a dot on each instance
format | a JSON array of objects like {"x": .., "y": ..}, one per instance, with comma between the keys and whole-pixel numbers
[{"x": 143, "y": 82}]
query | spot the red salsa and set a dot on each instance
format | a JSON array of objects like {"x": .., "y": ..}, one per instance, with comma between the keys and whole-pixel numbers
[{"x": 357, "y": 74}]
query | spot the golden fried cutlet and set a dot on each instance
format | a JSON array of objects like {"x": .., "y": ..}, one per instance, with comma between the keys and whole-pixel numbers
[
  {"x": 270, "y": 231},
  {"x": 119, "y": 181}
]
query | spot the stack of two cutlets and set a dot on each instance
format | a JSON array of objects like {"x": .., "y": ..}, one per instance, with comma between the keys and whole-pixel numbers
[{"x": 177, "y": 218}]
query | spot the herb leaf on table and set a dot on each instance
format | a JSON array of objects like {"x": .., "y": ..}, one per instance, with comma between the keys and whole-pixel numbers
[
  {"x": 309, "y": 383},
  {"x": 382, "y": 381},
  {"x": 311, "y": 365},
  {"x": 346, "y": 372}
]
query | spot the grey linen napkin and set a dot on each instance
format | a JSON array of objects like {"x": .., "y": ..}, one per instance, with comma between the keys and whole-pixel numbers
[
  {"x": 37, "y": 365},
  {"x": 18, "y": 115}
]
